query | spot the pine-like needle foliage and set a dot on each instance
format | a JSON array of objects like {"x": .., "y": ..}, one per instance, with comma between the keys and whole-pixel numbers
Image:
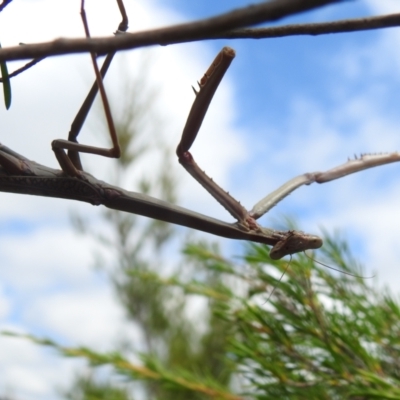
[{"x": 319, "y": 335}]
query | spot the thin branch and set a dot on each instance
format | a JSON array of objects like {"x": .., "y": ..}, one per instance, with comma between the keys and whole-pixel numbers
[
  {"x": 314, "y": 29},
  {"x": 28, "y": 65},
  {"x": 4, "y": 4},
  {"x": 323, "y": 28},
  {"x": 197, "y": 30}
]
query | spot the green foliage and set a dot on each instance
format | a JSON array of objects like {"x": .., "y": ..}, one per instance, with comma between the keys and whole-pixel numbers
[
  {"x": 174, "y": 380},
  {"x": 320, "y": 334},
  {"x": 86, "y": 387},
  {"x": 313, "y": 334}
]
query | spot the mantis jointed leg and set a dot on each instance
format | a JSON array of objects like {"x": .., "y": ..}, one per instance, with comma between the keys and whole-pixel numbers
[
  {"x": 365, "y": 161},
  {"x": 71, "y": 163},
  {"x": 287, "y": 242}
]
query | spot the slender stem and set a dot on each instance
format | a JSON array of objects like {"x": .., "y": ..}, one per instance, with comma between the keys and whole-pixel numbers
[
  {"x": 314, "y": 29},
  {"x": 28, "y": 65},
  {"x": 197, "y": 30},
  {"x": 4, "y": 4}
]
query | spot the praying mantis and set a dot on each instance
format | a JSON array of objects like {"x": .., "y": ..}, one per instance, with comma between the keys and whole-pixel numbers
[{"x": 21, "y": 175}]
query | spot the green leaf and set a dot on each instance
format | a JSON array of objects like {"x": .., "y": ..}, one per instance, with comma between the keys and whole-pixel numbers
[{"x": 6, "y": 84}]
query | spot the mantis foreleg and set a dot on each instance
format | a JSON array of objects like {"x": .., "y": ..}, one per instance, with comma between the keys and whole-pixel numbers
[
  {"x": 71, "y": 163},
  {"x": 285, "y": 242}
]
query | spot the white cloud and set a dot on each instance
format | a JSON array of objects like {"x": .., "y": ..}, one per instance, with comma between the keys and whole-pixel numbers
[
  {"x": 5, "y": 304},
  {"x": 38, "y": 259},
  {"x": 30, "y": 371},
  {"x": 88, "y": 315}
]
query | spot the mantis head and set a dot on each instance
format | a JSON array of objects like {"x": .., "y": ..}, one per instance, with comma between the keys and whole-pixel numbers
[{"x": 295, "y": 242}]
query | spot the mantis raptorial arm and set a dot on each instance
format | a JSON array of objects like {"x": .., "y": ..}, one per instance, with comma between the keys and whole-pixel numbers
[
  {"x": 208, "y": 86},
  {"x": 292, "y": 241},
  {"x": 361, "y": 163},
  {"x": 295, "y": 241},
  {"x": 71, "y": 164}
]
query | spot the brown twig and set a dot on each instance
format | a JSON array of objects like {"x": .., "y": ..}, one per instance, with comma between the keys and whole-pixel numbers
[
  {"x": 28, "y": 65},
  {"x": 323, "y": 28},
  {"x": 314, "y": 29},
  {"x": 134, "y": 40},
  {"x": 197, "y": 30}
]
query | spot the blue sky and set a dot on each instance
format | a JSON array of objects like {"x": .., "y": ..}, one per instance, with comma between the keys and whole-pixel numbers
[{"x": 286, "y": 106}]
